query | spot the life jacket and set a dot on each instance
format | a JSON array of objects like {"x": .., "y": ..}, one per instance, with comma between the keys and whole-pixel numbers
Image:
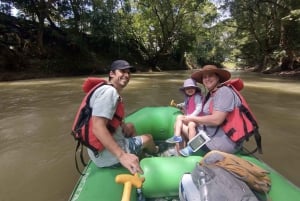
[
  {"x": 190, "y": 103},
  {"x": 237, "y": 83},
  {"x": 240, "y": 124},
  {"x": 82, "y": 126}
]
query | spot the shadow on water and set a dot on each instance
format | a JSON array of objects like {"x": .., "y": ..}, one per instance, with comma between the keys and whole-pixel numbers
[{"x": 37, "y": 151}]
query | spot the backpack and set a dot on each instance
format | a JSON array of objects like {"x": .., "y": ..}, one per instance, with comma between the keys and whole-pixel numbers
[
  {"x": 213, "y": 184},
  {"x": 82, "y": 123},
  {"x": 241, "y": 123},
  {"x": 254, "y": 176}
]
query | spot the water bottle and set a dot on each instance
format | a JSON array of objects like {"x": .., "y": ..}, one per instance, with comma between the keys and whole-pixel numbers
[{"x": 203, "y": 187}]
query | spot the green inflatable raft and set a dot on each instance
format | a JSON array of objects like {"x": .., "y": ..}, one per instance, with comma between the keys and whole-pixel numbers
[{"x": 162, "y": 174}]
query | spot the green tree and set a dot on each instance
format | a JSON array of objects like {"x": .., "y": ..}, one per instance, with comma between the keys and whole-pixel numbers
[
  {"x": 266, "y": 40},
  {"x": 156, "y": 30}
]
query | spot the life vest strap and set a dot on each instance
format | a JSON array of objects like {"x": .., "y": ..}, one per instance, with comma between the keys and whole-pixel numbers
[{"x": 81, "y": 157}]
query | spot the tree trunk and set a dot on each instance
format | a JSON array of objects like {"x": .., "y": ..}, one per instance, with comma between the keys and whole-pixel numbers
[{"x": 287, "y": 60}]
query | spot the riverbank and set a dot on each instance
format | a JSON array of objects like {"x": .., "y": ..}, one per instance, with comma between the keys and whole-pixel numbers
[
  {"x": 290, "y": 74},
  {"x": 15, "y": 76}
]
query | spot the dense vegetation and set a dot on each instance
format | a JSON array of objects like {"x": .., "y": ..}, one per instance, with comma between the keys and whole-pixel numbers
[{"x": 72, "y": 37}]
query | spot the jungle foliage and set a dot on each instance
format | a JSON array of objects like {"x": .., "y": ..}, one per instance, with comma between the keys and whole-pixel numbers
[{"x": 83, "y": 36}]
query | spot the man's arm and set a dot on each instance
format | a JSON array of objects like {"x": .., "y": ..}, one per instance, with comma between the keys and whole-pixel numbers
[{"x": 129, "y": 161}]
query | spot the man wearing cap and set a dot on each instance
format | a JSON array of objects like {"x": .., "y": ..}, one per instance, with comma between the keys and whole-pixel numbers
[
  {"x": 221, "y": 100},
  {"x": 120, "y": 147}
]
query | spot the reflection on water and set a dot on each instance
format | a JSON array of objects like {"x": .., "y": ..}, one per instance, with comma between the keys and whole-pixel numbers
[{"x": 37, "y": 151}]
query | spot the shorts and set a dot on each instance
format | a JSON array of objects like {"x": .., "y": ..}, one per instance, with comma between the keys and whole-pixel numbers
[
  {"x": 221, "y": 142},
  {"x": 107, "y": 159}
]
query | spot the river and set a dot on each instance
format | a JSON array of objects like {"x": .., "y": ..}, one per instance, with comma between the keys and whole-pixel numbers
[{"x": 37, "y": 150}]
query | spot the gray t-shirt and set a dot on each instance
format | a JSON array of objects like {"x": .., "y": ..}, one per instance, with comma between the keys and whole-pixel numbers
[
  {"x": 104, "y": 104},
  {"x": 104, "y": 101},
  {"x": 224, "y": 100}
]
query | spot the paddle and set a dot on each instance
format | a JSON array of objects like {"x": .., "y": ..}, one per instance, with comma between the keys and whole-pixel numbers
[
  {"x": 128, "y": 180},
  {"x": 172, "y": 103}
]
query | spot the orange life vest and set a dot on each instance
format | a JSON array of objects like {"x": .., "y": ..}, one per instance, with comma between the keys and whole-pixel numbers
[
  {"x": 240, "y": 124},
  {"x": 82, "y": 126}
]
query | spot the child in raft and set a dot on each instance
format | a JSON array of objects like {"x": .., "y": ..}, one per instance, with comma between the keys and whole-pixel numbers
[{"x": 192, "y": 106}]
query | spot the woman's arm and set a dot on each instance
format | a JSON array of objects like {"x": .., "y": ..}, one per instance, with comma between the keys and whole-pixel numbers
[
  {"x": 214, "y": 119},
  {"x": 223, "y": 104}
]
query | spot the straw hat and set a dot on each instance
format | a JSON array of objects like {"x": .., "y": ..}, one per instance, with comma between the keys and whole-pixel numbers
[{"x": 224, "y": 75}]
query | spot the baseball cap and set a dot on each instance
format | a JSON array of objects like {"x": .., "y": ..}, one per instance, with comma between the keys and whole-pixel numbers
[{"x": 120, "y": 64}]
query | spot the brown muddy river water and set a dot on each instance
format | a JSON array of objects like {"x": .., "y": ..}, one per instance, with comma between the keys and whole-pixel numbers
[{"x": 37, "y": 150}]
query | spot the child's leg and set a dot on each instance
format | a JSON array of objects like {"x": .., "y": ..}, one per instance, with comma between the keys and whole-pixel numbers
[
  {"x": 192, "y": 130},
  {"x": 186, "y": 150},
  {"x": 177, "y": 130},
  {"x": 178, "y": 125},
  {"x": 184, "y": 135}
]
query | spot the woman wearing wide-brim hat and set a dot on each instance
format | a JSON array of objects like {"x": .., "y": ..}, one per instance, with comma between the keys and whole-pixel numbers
[{"x": 223, "y": 102}]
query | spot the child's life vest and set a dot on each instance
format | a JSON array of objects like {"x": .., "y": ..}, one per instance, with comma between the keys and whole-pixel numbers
[
  {"x": 82, "y": 126},
  {"x": 192, "y": 104},
  {"x": 240, "y": 124}
]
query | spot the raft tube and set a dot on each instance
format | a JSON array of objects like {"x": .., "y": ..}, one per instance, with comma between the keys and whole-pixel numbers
[
  {"x": 158, "y": 121},
  {"x": 162, "y": 177},
  {"x": 162, "y": 174},
  {"x": 99, "y": 184}
]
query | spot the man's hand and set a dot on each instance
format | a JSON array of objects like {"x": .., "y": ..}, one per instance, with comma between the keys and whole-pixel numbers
[{"x": 130, "y": 162}]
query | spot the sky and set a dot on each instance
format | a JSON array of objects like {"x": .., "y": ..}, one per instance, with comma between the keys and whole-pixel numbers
[{"x": 224, "y": 14}]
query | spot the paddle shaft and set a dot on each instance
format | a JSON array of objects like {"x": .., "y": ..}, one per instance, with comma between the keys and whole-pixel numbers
[{"x": 126, "y": 191}]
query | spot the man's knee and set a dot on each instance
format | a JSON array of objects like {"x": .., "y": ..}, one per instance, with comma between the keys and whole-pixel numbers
[
  {"x": 147, "y": 138},
  {"x": 131, "y": 127}
]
